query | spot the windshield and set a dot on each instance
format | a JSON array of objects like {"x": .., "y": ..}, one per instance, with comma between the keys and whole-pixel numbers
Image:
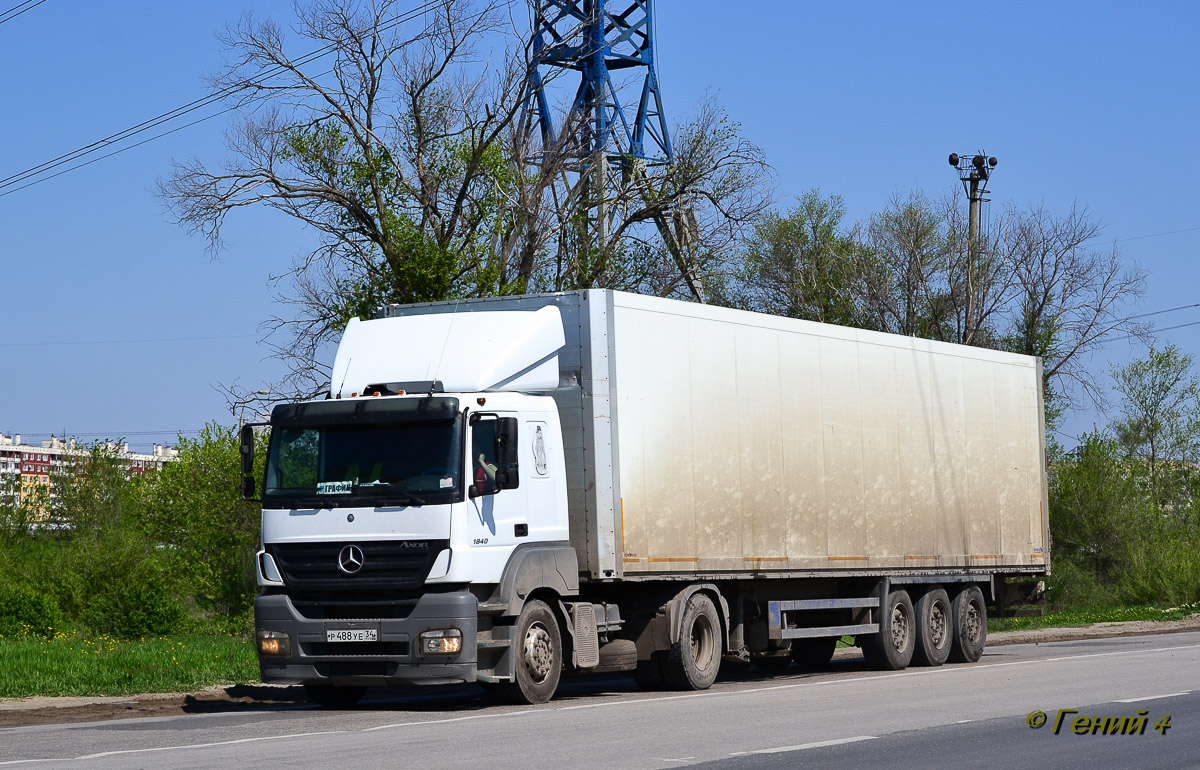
[{"x": 415, "y": 460}]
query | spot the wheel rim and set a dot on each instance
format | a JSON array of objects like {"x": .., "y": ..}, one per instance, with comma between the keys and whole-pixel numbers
[
  {"x": 702, "y": 642},
  {"x": 973, "y": 623},
  {"x": 900, "y": 629},
  {"x": 538, "y": 652},
  {"x": 938, "y": 626}
]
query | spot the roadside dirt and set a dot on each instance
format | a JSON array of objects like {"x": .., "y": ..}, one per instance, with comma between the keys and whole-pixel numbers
[
  {"x": 260, "y": 697},
  {"x": 1096, "y": 631}
]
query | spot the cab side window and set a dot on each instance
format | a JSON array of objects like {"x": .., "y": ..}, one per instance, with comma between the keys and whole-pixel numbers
[{"x": 483, "y": 456}]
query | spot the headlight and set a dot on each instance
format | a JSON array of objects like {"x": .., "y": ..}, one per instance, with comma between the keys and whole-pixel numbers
[
  {"x": 445, "y": 641},
  {"x": 274, "y": 644}
]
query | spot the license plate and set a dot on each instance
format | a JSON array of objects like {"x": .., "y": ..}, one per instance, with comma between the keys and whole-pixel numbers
[{"x": 352, "y": 635}]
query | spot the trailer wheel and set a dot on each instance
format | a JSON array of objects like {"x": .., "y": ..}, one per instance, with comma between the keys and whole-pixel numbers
[
  {"x": 814, "y": 654},
  {"x": 892, "y": 648},
  {"x": 693, "y": 661},
  {"x": 539, "y": 656},
  {"x": 970, "y": 626},
  {"x": 334, "y": 697},
  {"x": 935, "y": 626}
]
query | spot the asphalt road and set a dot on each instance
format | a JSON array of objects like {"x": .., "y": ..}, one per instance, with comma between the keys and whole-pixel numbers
[{"x": 954, "y": 716}]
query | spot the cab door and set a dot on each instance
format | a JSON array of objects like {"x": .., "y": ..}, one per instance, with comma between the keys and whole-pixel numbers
[{"x": 500, "y": 515}]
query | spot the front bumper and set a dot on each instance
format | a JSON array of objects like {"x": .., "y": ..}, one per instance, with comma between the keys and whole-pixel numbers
[{"x": 392, "y": 660}]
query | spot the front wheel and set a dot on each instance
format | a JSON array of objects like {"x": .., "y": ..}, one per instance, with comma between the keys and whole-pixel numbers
[
  {"x": 693, "y": 661},
  {"x": 539, "y": 656}
]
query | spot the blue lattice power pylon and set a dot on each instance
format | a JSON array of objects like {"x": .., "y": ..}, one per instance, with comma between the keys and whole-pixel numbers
[{"x": 594, "y": 38}]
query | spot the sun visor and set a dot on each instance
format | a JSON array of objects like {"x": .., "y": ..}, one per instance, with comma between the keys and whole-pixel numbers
[{"x": 465, "y": 352}]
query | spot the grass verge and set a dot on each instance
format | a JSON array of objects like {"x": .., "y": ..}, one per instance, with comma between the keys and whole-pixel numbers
[
  {"x": 71, "y": 663},
  {"x": 1086, "y": 617}
]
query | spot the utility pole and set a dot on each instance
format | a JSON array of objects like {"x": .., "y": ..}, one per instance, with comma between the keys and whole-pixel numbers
[{"x": 974, "y": 173}]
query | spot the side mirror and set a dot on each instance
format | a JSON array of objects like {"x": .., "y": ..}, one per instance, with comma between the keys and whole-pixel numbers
[
  {"x": 247, "y": 450},
  {"x": 507, "y": 471}
]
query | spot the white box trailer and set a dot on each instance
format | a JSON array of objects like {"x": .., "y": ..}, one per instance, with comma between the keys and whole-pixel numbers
[{"x": 673, "y": 483}]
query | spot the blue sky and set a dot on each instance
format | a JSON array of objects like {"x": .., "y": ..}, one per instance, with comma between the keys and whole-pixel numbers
[{"x": 1095, "y": 103}]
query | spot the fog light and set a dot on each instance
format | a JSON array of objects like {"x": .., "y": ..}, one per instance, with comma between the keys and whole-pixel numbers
[
  {"x": 275, "y": 644},
  {"x": 445, "y": 641}
]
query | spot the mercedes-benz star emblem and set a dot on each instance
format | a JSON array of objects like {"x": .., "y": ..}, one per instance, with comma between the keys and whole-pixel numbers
[{"x": 350, "y": 560}]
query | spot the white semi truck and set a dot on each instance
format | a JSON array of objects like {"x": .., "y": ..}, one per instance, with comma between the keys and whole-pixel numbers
[{"x": 502, "y": 489}]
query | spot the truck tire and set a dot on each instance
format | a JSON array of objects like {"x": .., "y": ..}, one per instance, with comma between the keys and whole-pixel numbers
[
  {"x": 538, "y": 651},
  {"x": 649, "y": 675},
  {"x": 892, "y": 648},
  {"x": 334, "y": 697},
  {"x": 970, "y": 626},
  {"x": 814, "y": 654},
  {"x": 935, "y": 625},
  {"x": 693, "y": 661}
]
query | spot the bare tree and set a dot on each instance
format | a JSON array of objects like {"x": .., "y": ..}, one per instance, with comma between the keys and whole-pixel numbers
[
  {"x": 669, "y": 222},
  {"x": 1070, "y": 296},
  {"x": 902, "y": 271},
  {"x": 1034, "y": 284},
  {"x": 404, "y": 148},
  {"x": 395, "y": 153}
]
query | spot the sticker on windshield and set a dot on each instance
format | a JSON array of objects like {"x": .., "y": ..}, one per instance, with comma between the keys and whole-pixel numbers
[
  {"x": 447, "y": 482},
  {"x": 335, "y": 487}
]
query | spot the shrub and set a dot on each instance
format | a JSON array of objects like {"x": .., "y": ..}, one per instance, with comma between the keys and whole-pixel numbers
[
  {"x": 127, "y": 588},
  {"x": 24, "y": 610}
]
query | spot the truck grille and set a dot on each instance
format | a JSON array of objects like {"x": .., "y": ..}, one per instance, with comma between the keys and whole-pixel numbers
[
  {"x": 354, "y": 649},
  {"x": 385, "y": 564}
]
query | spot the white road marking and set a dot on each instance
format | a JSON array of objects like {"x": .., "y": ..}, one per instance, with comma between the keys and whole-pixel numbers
[
  {"x": 444, "y": 721},
  {"x": 1154, "y": 697},
  {"x": 803, "y": 746},
  {"x": 178, "y": 748},
  {"x": 721, "y": 693},
  {"x": 940, "y": 671}
]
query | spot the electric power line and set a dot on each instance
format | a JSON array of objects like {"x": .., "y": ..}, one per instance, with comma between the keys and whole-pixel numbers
[
  {"x": 1156, "y": 235},
  {"x": 126, "y": 342},
  {"x": 192, "y": 106},
  {"x": 1160, "y": 312},
  {"x": 13, "y": 12},
  {"x": 62, "y": 434},
  {"x": 1155, "y": 331},
  {"x": 109, "y": 155}
]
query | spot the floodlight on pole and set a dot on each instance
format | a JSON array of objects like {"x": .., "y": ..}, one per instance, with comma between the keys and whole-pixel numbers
[{"x": 974, "y": 171}]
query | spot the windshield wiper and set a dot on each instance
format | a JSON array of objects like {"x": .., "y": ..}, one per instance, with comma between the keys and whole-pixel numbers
[
  {"x": 309, "y": 502},
  {"x": 393, "y": 490}
]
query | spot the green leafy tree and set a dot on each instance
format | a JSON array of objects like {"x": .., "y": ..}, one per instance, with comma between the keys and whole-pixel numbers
[
  {"x": 20, "y": 510},
  {"x": 802, "y": 264},
  {"x": 94, "y": 493},
  {"x": 1160, "y": 423},
  {"x": 194, "y": 508},
  {"x": 1096, "y": 513}
]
